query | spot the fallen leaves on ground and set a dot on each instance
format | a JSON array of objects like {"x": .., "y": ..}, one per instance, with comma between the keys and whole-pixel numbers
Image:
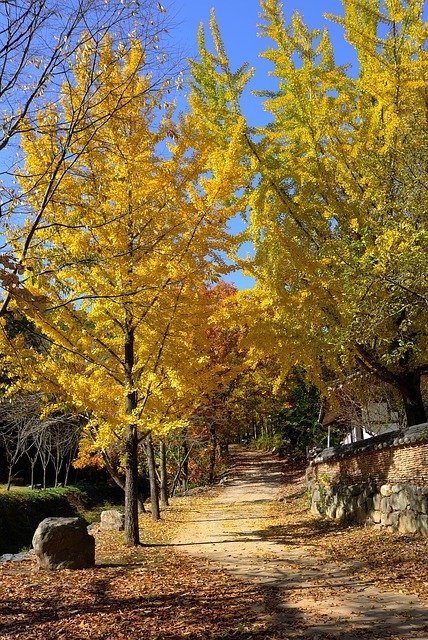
[
  {"x": 148, "y": 592},
  {"x": 391, "y": 561},
  {"x": 155, "y": 593}
]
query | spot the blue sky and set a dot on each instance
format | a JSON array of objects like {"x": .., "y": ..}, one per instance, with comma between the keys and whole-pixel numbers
[{"x": 237, "y": 20}]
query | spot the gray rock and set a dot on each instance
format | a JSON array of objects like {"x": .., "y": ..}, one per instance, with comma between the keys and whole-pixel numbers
[
  {"x": 330, "y": 511},
  {"x": 377, "y": 498},
  {"x": 15, "y": 557},
  {"x": 375, "y": 516},
  {"x": 408, "y": 522},
  {"x": 63, "y": 543},
  {"x": 112, "y": 520},
  {"x": 340, "y": 512},
  {"x": 396, "y": 488},
  {"x": 385, "y": 505},
  {"x": 390, "y": 519},
  {"x": 400, "y": 501},
  {"x": 316, "y": 497},
  {"x": 385, "y": 490},
  {"x": 354, "y": 489},
  {"x": 423, "y": 525}
]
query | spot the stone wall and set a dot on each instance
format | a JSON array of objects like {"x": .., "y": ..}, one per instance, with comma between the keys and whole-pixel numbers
[{"x": 381, "y": 481}]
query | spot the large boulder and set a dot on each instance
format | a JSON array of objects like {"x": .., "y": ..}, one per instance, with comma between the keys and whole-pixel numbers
[
  {"x": 64, "y": 543},
  {"x": 112, "y": 520}
]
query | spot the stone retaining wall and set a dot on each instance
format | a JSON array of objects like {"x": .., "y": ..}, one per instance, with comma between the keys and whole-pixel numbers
[{"x": 382, "y": 481}]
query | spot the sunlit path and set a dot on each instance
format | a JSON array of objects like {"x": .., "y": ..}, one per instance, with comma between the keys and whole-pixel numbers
[{"x": 304, "y": 597}]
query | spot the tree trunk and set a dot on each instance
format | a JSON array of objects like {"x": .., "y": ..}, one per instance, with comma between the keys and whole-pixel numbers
[
  {"x": 112, "y": 471},
  {"x": 67, "y": 466},
  {"x": 213, "y": 452},
  {"x": 132, "y": 536},
  {"x": 141, "y": 507},
  {"x": 163, "y": 475},
  {"x": 9, "y": 479},
  {"x": 183, "y": 469},
  {"x": 408, "y": 384},
  {"x": 154, "y": 498},
  {"x": 185, "y": 463},
  {"x": 410, "y": 389},
  {"x": 32, "y": 465},
  {"x": 224, "y": 448}
]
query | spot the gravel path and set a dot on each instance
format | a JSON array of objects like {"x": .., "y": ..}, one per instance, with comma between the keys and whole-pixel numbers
[{"x": 304, "y": 597}]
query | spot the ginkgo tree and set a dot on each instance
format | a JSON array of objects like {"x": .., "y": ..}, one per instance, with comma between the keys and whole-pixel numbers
[
  {"x": 337, "y": 208},
  {"x": 120, "y": 262},
  {"x": 39, "y": 42}
]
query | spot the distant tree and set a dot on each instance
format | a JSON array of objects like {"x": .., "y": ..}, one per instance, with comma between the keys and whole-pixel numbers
[
  {"x": 28, "y": 429},
  {"x": 163, "y": 474},
  {"x": 17, "y": 427},
  {"x": 63, "y": 435}
]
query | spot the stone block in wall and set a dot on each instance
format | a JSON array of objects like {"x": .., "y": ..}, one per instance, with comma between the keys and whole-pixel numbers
[
  {"x": 354, "y": 489},
  {"x": 385, "y": 504},
  {"x": 400, "y": 501},
  {"x": 330, "y": 502},
  {"x": 408, "y": 522},
  {"x": 360, "y": 515},
  {"x": 375, "y": 516},
  {"x": 340, "y": 511},
  {"x": 369, "y": 503},
  {"x": 364, "y": 505},
  {"x": 390, "y": 519},
  {"x": 414, "y": 495},
  {"x": 330, "y": 511},
  {"x": 423, "y": 524},
  {"x": 377, "y": 498},
  {"x": 316, "y": 498},
  {"x": 352, "y": 507},
  {"x": 386, "y": 490}
]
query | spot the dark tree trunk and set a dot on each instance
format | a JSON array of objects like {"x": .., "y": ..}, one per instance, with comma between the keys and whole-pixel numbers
[
  {"x": 154, "y": 497},
  {"x": 410, "y": 389},
  {"x": 213, "y": 452},
  {"x": 185, "y": 463},
  {"x": 163, "y": 475},
  {"x": 141, "y": 507},
  {"x": 408, "y": 384},
  {"x": 224, "y": 448},
  {"x": 183, "y": 466},
  {"x": 112, "y": 471},
  {"x": 132, "y": 536}
]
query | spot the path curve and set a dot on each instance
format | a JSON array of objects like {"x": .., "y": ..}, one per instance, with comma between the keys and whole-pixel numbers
[{"x": 305, "y": 598}]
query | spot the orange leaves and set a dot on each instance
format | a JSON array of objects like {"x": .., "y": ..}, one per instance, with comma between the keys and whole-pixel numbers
[{"x": 150, "y": 593}]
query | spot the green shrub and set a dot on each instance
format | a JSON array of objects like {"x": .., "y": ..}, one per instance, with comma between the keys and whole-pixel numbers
[
  {"x": 21, "y": 512},
  {"x": 267, "y": 443}
]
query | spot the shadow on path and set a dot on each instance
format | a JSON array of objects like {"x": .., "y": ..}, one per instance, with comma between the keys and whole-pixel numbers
[{"x": 304, "y": 597}]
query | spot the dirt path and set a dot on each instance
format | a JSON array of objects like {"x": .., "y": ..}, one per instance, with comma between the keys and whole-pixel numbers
[{"x": 305, "y": 597}]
